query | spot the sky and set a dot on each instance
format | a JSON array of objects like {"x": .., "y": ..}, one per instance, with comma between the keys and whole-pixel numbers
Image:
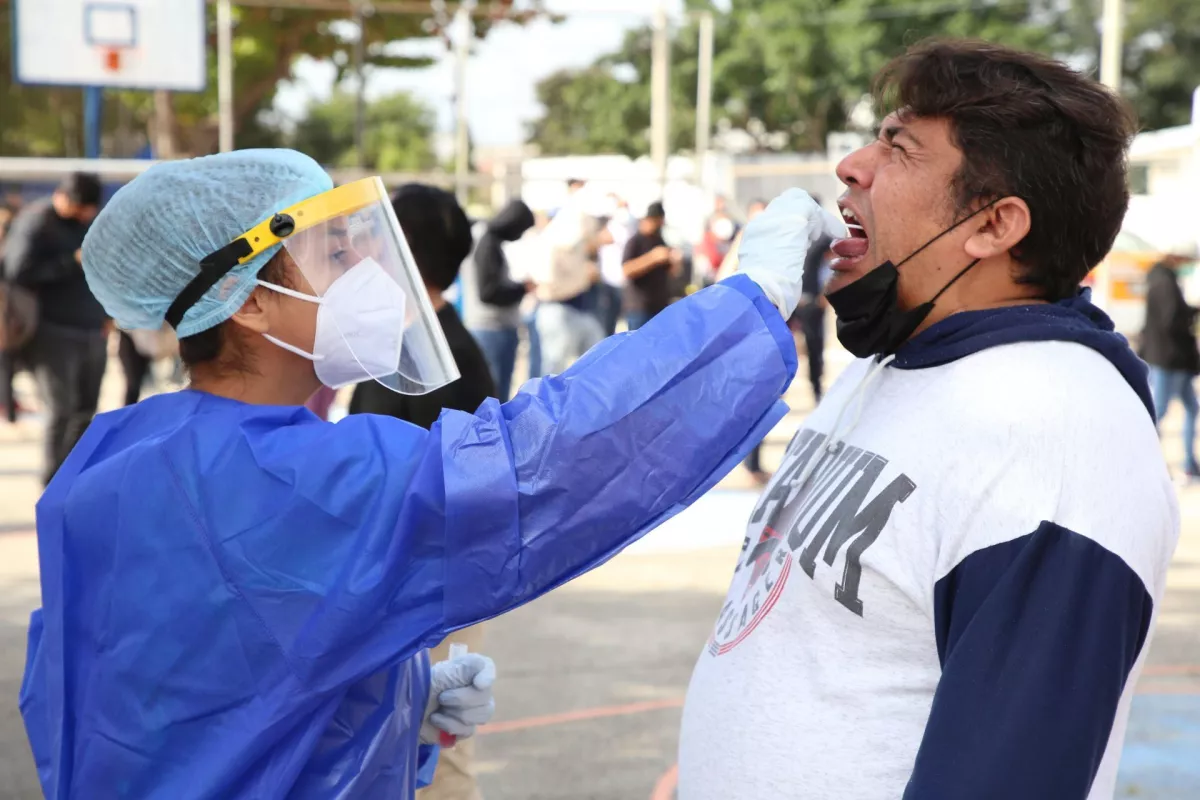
[{"x": 503, "y": 70}]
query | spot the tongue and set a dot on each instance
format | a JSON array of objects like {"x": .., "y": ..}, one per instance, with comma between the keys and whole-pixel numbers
[{"x": 851, "y": 248}]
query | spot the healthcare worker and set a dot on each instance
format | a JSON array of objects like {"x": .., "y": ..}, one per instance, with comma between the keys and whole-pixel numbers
[{"x": 237, "y": 596}]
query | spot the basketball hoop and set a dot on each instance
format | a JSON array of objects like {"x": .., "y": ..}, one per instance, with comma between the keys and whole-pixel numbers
[
  {"x": 117, "y": 44},
  {"x": 111, "y": 58}
]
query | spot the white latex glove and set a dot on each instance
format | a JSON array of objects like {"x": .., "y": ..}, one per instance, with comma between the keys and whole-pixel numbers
[
  {"x": 460, "y": 697},
  {"x": 775, "y": 245}
]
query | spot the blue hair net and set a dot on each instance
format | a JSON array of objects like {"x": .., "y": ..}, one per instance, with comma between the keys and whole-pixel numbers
[{"x": 146, "y": 245}]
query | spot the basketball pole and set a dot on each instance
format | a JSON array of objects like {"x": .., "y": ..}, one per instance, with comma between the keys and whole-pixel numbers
[
  {"x": 93, "y": 115},
  {"x": 225, "y": 75}
]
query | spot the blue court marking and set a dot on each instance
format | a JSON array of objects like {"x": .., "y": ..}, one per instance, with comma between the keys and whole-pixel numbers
[{"x": 1161, "y": 760}]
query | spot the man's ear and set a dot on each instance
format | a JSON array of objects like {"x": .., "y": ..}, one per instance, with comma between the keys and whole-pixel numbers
[
  {"x": 1000, "y": 229},
  {"x": 255, "y": 313}
]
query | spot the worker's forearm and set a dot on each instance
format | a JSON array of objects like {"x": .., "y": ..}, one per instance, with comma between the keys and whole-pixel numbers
[{"x": 551, "y": 484}]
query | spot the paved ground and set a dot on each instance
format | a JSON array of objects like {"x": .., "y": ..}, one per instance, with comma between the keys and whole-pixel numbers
[{"x": 593, "y": 675}]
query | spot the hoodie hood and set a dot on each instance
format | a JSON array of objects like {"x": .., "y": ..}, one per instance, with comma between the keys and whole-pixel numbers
[
  {"x": 1072, "y": 320},
  {"x": 512, "y": 221}
]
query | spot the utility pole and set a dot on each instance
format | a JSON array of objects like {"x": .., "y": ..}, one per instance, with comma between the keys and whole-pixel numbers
[
  {"x": 660, "y": 94},
  {"x": 1111, "y": 40},
  {"x": 225, "y": 75},
  {"x": 360, "y": 91},
  {"x": 704, "y": 94},
  {"x": 462, "y": 132}
]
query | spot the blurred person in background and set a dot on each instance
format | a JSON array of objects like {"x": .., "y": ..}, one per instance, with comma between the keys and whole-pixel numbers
[
  {"x": 730, "y": 265},
  {"x": 565, "y": 270},
  {"x": 574, "y": 187},
  {"x": 621, "y": 226},
  {"x": 530, "y": 249},
  {"x": 648, "y": 264},
  {"x": 439, "y": 236},
  {"x": 68, "y": 352},
  {"x": 8, "y": 367},
  {"x": 720, "y": 232},
  {"x": 758, "y": 206},
  {"x": 810, "y": 314},
  {"x": 134, "y": 364},
  {"x": 138, "y": 351},
  {"x": 6, "y": 218},
  {"x": 1168, "y": 345},
  {"x": 492, "y": 299}
]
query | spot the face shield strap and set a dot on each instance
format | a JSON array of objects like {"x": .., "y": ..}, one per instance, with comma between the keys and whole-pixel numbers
[
  {"x": 213, "y": 268},
  {"x": 337, "y": 202}
]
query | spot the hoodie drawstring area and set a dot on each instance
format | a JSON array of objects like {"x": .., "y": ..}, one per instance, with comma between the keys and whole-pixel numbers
[{"x": 833, "y": 443}]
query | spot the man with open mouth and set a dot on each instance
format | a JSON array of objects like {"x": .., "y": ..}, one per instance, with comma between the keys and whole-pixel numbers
[{"x": 947, "y": 590}]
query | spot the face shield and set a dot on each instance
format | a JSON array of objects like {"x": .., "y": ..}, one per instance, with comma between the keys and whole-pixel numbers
[{"x": 374, "y": 320}]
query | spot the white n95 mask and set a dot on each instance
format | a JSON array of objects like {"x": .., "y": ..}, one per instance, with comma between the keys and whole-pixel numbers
[{"x": 360, "y": 326}]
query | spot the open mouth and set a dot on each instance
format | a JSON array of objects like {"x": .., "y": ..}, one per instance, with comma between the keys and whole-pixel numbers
[{"x": 849, "y": 251}]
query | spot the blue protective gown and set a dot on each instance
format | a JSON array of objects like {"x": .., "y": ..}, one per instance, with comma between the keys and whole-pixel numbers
[{"x": 237, "y": 599}]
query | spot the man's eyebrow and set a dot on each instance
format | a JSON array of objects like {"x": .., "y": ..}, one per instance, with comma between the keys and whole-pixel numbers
[{"x": 891, "y": 131}]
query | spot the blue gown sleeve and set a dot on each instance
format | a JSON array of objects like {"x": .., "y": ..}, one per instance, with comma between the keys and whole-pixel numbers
[
  {"x": 390, "y": 537},
  {"x": 427, "y": 761},
  {"x": 577, "y": 466}
]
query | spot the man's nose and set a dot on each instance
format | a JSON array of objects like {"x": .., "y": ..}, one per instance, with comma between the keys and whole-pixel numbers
[{"x": 858, "y": 168}]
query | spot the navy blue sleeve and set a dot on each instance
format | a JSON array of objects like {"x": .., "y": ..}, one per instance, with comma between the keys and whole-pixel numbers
[{"x": 1037, "y": 637}]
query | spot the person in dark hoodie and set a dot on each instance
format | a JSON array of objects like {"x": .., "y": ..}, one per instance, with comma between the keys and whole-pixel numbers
[
  {"x": 948, "y": 587},
  {"x": 1168, "y": 344},
  {"x": 491, "y": 299},
  {"x": 439, "y": 236},
  {"x": 8, "y": 366},
  {"x": 67, "y": 354}
]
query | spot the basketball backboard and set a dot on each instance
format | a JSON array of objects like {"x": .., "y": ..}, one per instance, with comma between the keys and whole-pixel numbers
[{"x": 125, "y": 44}]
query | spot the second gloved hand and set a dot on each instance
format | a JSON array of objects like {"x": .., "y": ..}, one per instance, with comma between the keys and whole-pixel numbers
[
  {"x": 460, "y": 697},
  {"x": 776, "y": 243}
]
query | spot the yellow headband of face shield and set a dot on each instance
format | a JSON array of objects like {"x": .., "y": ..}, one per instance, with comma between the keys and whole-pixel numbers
[{"x": 337, "y": 202}]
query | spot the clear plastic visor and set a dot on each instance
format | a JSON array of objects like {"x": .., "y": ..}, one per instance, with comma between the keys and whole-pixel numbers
[{"x": 358, "y": 262}]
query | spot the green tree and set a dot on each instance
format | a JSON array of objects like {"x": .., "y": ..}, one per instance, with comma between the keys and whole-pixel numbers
[
  {"x": 785, "y": 71},
  {"x": 590, "y": 111},
  {"x": 605, "y": 108},
  {"x": 266, "y": 44},
  {"x": 397, "y": 136},
  {"x": 1161, "y": 54}
]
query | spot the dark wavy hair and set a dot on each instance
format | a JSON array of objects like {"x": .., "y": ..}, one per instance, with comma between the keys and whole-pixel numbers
[{"x": 1029, "y": 127}]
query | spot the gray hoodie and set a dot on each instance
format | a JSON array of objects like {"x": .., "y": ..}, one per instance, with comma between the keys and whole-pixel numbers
[{"x": 491, "y": 299}]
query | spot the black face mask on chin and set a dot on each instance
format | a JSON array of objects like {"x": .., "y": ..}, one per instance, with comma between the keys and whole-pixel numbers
[{"x": 869, "y": 321}]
